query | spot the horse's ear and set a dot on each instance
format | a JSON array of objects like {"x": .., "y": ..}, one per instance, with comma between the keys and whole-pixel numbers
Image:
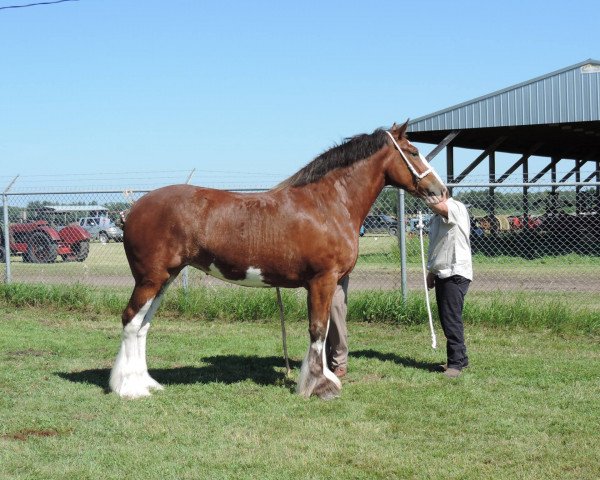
[
  {"x": 399, "y": 131},
  {"x": 402, "y": 129}
]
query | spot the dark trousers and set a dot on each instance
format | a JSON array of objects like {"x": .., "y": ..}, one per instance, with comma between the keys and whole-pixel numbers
[
  {"x": 337, "y": 337},
  {"x": 450, "y": 296}
]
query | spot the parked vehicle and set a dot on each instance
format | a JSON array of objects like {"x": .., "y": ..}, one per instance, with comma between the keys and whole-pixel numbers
[
  {"x": 413, "y": 224},
  {"x": 380, "y": 223},
  {"x": 102, "y": 229},
  {"x": 39, "y": 242}
]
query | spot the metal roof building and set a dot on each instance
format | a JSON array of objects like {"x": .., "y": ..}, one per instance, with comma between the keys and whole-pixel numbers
[{"x": 556, "y": 115}]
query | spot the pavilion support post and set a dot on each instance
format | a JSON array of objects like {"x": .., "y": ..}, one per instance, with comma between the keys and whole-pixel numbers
[
  {"x": 519, "y": 163},
  {"x": 598, "y": 187},
  {"x": 553, "y": 164},
  {"x": 440, "y": 146},
  {"x": 553, "y": 204},
  {"x": 525, "y": 192},
  {"x": 492, "y": 179},
  {"x": 450, "y": 166},
  {"x": 546, "y": 169},
  {"x": 578, "y": 164},
  {"x": 486, "y": 153}
]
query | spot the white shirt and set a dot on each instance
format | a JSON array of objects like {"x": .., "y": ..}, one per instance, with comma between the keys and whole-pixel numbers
[{"x": 449, "y": 244}]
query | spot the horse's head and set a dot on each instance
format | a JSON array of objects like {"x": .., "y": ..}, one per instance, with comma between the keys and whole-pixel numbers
[{"x": 408, "y": 169}]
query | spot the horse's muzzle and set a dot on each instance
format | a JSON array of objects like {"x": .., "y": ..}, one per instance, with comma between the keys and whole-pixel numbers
[{"x": 433, "y": 197}]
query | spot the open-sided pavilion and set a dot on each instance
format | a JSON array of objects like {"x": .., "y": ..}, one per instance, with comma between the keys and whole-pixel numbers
[{"x": 556, "y": 115}]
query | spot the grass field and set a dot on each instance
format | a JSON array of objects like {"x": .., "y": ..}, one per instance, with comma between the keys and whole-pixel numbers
[
  {"x": 379, "y": 256},
  {"x": 526, "y": 408},
  {"x": 103, "y": 259}
]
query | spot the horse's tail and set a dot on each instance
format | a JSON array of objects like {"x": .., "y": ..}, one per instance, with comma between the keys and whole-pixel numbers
[{"x": 123, "y": 214}]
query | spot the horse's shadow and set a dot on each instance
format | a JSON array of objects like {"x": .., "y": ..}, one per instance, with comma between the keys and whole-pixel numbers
[
  {"x": 392, "y": 357},
  {"x": 219, "y": 369},
  {"x": 229, "y": 369}
]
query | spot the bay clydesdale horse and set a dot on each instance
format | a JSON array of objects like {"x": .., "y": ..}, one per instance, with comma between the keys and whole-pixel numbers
[{"x": 301, "y": 233}]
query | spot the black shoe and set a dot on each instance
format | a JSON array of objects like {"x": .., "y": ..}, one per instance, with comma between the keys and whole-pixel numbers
[
  {"x": 452, "y": 372},
  {"x": 444, "y": 367}
]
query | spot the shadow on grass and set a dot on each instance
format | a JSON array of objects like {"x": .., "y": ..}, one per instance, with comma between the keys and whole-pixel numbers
[
  {"x": 220, "y": 369},
  {"x": 392, "y": 357}
]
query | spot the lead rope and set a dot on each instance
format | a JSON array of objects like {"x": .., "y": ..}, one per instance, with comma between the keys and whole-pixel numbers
[
  {"x": 283, "y": 334},
  {"x": 420, "y": 226}
]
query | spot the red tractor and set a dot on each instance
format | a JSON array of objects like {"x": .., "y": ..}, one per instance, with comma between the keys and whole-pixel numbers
[{"x": 38, "y": 242}]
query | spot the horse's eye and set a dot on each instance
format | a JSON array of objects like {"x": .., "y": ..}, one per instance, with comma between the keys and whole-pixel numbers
[{"x": 414, "y": 154}]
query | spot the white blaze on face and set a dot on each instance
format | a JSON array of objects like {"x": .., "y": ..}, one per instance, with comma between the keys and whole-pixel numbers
[
  {"x": 253, "y": 278},
  {"x": 428, "y": 166},
  {"x": 433, "y": 171}
]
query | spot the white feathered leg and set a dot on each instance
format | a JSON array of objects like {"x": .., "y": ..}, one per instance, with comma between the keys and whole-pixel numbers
[
  {"x": 147, "y": 379},
  {"x": 315, "y": 377},
  {"x": 128, "y": 375}
]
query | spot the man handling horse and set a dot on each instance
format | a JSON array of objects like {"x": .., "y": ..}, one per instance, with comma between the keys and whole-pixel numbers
[
  {"x": 450, "y": 271},
  {"x": 337, "y": 336}
]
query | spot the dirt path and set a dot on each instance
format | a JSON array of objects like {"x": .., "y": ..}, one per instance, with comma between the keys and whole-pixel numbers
[{"x": 517, "y": 281}]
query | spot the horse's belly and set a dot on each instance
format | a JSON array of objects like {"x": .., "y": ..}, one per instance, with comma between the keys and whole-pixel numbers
[{"x": 253, "y": 277}]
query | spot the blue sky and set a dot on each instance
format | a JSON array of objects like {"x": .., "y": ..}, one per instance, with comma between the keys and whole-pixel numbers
[{"x": 249, "y": 92}]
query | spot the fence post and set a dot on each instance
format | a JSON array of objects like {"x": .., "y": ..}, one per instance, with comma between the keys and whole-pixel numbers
[
  {"x": 597, "y": 203},
  {"x": 8, "y": 277},
  {"x": 402, "y": 244},
  {"x": 185, "y": 272}
]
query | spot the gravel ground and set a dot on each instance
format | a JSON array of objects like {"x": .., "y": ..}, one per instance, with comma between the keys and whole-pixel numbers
[{"x": 490, "y": 280}]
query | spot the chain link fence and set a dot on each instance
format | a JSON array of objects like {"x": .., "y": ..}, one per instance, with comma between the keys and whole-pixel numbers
[
  {"x": 524, "y": 238},
  {"x": 530, "y": 237}
]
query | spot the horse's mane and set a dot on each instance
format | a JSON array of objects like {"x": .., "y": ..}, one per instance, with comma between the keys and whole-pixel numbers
[{"x": 347, "y": 153}]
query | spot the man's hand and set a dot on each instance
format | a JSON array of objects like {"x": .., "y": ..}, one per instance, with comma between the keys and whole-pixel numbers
[
  {"x": 430, "y": 280},
  {"x": 439, "y": 208}
]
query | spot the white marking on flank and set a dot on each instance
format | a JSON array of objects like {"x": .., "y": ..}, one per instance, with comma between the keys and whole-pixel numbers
[{"x": 253, "y": 278}]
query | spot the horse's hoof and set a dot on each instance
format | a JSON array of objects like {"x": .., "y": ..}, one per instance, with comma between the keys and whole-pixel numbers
[
  {"x": 324, "y": 387},
  {"x": 133, "y": 386},
  {"x": 152, "y": 384},
  {"x": 327, "y": 389},
  {"x": 133, "y": 393}
]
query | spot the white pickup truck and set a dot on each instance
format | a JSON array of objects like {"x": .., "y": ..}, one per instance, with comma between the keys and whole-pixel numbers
[{"x": 101, "y": 229}]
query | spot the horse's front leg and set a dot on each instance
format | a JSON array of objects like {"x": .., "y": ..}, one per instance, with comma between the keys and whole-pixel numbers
[
  {"x": 315, "y": 376},
  {"x": 129, "y": 376}
]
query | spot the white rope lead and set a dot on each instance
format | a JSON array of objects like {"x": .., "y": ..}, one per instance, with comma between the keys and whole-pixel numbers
[
  {"x": 283, "y": 334},
  {"x": 420, "y": 226}
]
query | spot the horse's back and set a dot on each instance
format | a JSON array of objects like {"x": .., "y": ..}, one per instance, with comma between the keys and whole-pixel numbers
[
  {"x": 189, "y": 224},
  {"x": 283, "y": 234}
]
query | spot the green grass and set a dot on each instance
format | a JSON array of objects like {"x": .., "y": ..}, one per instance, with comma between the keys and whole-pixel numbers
[
  {"x": 377, "y": 252},
  {"x": 575, "y": 312},
  {"x": 560, "y": 312},
  {"x": 526, "y": 408},
  {"x": 103, "y": 259},
  {"x": 383, "y": 252}
]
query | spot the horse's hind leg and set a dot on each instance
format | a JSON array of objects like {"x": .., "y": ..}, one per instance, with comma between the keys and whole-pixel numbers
[
  {"x": 315, "y": 376},
  {"x": 129, "y": 376}
]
